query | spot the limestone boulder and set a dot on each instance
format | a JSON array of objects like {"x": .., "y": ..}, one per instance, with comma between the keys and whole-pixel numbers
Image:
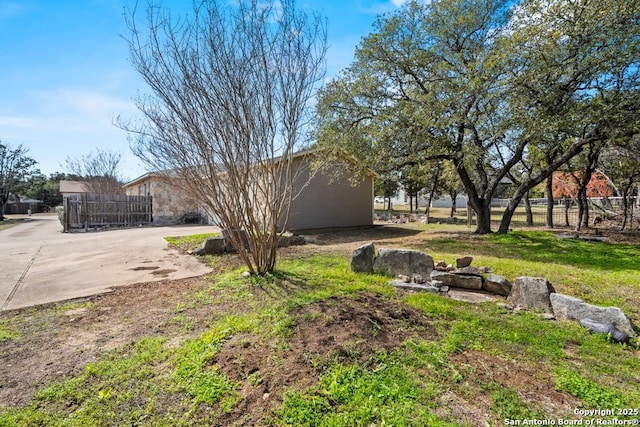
[
  {"x": 239, "y": 235},
  {"x": 531, "y": 293},
  {"x": 393, "y": 262},
  {"x": 568, "y": 307},
  {"x": 362, "y": 258},
  {"x": 457, "y": 280},
  {"x": 497, "y": 284},
  {"x": 478, "y": 271},
  {"x": 608, "y": 329},
  {"x": 464, "y": 261},
  {"x": 287, "y": 240},
  {"x": 211, "y": 246}
]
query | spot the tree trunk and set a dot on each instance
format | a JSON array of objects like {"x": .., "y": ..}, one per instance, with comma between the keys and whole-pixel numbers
[
  {"x": 625, "y": 207},
  {"x": 633, "y": 210},
  {"x": 505, "y": 222},
  {"x": 567, "y": 205},
  {"x": 583, "y": 209},
  {"x": 432, "y": 193},
  {"x": 586, "y": 215},
  {"x": 482, "y": 209},
  {"x": 527, "y": 204},
  {"x": 453, "y": 204},
  {"x": 549, "y": 189}
]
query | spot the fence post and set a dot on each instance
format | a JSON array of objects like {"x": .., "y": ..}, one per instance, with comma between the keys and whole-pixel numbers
[{"x": 65, "y": 215}]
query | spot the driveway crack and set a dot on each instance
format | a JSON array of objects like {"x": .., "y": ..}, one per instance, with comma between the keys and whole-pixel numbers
[{"x": 21, "y": 279}]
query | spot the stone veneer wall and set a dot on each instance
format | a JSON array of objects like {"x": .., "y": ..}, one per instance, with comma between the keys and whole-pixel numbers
[{"x": 170, "y": 205}]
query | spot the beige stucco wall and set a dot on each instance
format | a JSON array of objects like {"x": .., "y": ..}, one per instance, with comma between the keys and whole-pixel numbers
[
  {"x": 328, "y": 203},
  {"x": 169, "y": 205}
]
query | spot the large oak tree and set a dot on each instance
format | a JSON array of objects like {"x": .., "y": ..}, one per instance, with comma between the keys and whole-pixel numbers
[{"x": 484, "y": 83}]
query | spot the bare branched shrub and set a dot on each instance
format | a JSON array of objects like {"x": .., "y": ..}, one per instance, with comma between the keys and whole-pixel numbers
[
  {"x": 229, "y": 107},
  {"x": 99, "y": 170}
]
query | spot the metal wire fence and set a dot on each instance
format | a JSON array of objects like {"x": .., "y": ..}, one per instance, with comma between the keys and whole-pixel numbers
[
  {"x": 565, "y": 211},
  {"x": 607, "y": 212}
]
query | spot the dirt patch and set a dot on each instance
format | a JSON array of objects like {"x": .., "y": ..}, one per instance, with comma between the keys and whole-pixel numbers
[
  {"x": 482, "y": 371},
  {"x": 55, "y": 344},
  {"x": 340, "y": 330}
]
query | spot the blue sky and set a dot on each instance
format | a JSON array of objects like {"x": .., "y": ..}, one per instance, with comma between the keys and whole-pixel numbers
[{"x": 65, "y": 76}]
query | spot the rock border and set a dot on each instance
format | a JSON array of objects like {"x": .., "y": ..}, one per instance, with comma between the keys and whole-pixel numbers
[
  {"x": 415, "y": 271},
  {"x": 222, "y": 244}
]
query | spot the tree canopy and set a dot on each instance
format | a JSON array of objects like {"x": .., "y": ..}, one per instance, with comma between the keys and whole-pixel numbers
[
  {"x": 485, "y": 85},
  {"x": 15, "y": 167},
  {"x": 100, "y": 170}
]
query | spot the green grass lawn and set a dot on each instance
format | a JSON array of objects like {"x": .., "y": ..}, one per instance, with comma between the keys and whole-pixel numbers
[{"x": 461, "y": 365}]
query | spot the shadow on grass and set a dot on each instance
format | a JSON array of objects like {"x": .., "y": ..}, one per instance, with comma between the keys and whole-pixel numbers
[{"x": 376, "y": 232}]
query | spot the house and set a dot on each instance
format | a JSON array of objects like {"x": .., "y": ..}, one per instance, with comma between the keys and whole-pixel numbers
[
  {"x": 23, "y": 205},
  {"x": 401, "y": 198},
  {"x": 322, "y": 202},
  {"x": 170, "y": 205},
  {"x": 327, "y": 201},
  {"x": 73, "y": 188}
]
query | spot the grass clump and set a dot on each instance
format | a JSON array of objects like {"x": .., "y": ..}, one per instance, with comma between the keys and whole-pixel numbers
[
  {"x": 508, "y": 405},
  {"x": 592, "y": 394},
  {"x": 106, "y": 392},
  {"x": 7, "y": 333},
  {"x": 352, "y": 395},
  {"x": 194, "y": 370},
  {"x": 191, "y": 242}
]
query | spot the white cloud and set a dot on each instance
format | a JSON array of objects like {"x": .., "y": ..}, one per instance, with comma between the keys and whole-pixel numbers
[
  {"x": 85, "y": 102},
  {"x": 11, "y": 9},
  {"x": 19, "y": 122},
  {"x": 398, "y": 3}
]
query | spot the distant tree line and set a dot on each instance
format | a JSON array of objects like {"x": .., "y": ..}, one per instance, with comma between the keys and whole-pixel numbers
[{"x": 20, "y": 177}]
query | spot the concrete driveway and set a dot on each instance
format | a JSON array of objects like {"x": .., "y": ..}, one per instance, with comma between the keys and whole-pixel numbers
[{"x": 40, "y": 264}]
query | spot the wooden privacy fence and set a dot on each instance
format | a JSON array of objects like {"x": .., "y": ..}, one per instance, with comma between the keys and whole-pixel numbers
[{"x": 91, "y": 211}]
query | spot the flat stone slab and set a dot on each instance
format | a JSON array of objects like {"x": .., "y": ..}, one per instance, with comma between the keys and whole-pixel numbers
[
  {"x": 415, "y": 287},
  {"x": 466, "y": 281},
  {"x": 473, "y": 297}
]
